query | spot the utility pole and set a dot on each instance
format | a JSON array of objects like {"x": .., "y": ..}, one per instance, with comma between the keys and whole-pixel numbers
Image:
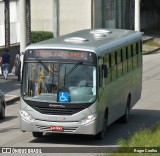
[
  {"x": 23, "y": 32},
  {"x": 7, "y": 23},
  {"x": 28, "y": 21},
  {"x": 137, "y": 15},
  {"x": 23, "y": 40},
  {"x": 56, "y": 18}
]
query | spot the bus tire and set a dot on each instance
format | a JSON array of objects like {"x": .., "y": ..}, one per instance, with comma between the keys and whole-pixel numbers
[
  {"x": 2, "y": 113},
  {"x": 37, "y": 134},
  {"x": 125, "y": 117},
  {"x": 101, "y": 134}
]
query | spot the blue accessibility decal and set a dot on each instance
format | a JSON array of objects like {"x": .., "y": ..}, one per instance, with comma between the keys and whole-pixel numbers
[{"x": 63, "y": 96}]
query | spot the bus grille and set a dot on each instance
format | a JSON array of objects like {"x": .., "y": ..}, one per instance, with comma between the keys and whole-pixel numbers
[
  {"x": 57, "y": 111},
  {"x": 47, "y": 129}
]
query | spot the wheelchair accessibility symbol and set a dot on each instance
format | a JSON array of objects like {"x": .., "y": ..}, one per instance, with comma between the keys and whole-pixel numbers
[{"x": 63, "y": 97}]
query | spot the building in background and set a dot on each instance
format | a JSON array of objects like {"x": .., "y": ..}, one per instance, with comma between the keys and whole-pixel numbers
[
  {"x": 83, "y": 14},
  {"x": 14, "y": 28},
  {"x": 72, "y": 16}
]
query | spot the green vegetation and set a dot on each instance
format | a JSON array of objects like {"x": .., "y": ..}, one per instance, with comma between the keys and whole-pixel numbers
[
  {"x": 38, "y": 36},
  {"x": 142, "y": 138},
  {"x": 152, "y": 43}
]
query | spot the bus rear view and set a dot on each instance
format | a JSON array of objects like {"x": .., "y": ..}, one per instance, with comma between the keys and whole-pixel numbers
[{"x": 62, "y": 91}]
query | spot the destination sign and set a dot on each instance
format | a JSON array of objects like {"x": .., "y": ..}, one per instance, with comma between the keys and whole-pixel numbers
[
  {"x": 57, "y": 54},
  {"x": 74, "y": 54}
]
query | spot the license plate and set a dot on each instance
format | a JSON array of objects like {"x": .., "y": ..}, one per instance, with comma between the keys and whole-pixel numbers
[{"x": 57, "y": 128}]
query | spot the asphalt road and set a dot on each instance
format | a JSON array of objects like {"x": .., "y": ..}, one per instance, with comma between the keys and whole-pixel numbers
[{"x": 146, "y": 113}]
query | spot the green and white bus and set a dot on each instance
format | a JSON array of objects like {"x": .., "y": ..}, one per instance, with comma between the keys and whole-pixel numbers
[{"x": 81, "y": 82}]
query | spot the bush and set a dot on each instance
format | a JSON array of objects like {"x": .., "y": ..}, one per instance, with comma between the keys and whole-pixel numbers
[{"x": 38, "y": 36}]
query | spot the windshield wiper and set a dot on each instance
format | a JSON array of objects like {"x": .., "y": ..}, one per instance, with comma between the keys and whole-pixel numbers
[
  {"x": 46, "y": 68},
  {"x": 73, "y": 68}
]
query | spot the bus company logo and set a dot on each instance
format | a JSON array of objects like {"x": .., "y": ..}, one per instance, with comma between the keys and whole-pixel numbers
[{"x": 56, "y": 106}]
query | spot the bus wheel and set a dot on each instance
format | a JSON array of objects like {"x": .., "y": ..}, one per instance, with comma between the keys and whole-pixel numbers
[
  {"x": 2, "y": 113},
  {"x": 101, "y": 134},
  {"x": 37, "y": 134},
  {"x": 125, "y": 117}
]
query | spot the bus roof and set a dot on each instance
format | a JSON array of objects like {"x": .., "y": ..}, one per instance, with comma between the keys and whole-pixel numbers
[{"x": 96, "y": 40}]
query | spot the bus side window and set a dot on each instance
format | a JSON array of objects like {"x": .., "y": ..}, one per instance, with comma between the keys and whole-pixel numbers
[
  {"x": 134, "y": 52},
  {"x": 139, "y": 53},
  {"x": 114, "y": 67},
  {"x": 125, "y": 63},
  {"x": 107, "y": 62},
  {"x": 129, "y": 58},
  {"x": 100, "y": 62},
  {"x": 120, "y": 63}
]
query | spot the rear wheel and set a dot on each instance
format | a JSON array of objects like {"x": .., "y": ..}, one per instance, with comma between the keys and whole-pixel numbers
[
  {"x": 2, "y": 113},
  {"x": 37, "y": 134}
]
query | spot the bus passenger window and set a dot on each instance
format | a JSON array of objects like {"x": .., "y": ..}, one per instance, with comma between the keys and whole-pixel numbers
[
  {"x": 100, "y": 62},
  {"x": 116, "y": 60},
  {"x": 114, "y": 66},
  {"x": 134, "y": 52},
  {"x": 107, "y": 61},
  {"x": 119, "y": 63},
  {"x": 129, "y": 58},
  {"x": 125, "y": 63},
  {"x": 139, "y": 48}
]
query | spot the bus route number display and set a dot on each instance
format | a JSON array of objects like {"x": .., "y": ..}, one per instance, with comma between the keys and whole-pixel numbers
[{"x": 62, "y": 54}]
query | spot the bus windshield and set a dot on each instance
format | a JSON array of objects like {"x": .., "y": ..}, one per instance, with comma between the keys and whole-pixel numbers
[{"x": 43, "y": 81}]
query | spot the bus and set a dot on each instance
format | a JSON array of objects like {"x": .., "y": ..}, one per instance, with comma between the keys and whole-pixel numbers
[{"x": 81, "y": 82}]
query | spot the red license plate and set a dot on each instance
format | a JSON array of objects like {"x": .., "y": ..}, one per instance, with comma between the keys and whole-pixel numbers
[{"x": 57, "y": 128}]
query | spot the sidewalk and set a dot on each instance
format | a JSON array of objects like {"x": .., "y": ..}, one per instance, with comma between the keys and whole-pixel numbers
[
  {"x": 150, "y": 49},
  {"x": 11, "y": 88}
]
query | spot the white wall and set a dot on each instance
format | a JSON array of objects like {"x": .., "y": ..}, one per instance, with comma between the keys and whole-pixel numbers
[
  {"x": 14, "y": 23},
  {"x": 74, "y": 15},
  {"x": 2, "y": 38},
  {"x": 41, "y": 15}
]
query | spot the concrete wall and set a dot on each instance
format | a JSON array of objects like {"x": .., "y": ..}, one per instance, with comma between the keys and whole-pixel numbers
[
  {"x": 41, "y": 15},
  {"x": 74, "y": 15}
]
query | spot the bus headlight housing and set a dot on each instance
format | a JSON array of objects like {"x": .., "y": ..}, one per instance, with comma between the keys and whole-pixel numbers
[
  {"x": 26, "y": 116},
  {"x": 88, "y": 119}
]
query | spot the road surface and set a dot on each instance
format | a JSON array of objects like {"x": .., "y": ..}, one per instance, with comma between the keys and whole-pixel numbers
[{"x": 146, "y": 113}]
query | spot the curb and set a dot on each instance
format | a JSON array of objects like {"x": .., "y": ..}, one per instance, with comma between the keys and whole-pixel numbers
[
  {"x": 12, "y": 100},
  {"x": 147, "y": 38},
  {"x": 150, "y": 49},
  {"x": 151, "y": 52}
]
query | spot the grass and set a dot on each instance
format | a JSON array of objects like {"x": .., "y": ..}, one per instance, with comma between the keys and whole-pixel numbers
[
  {"x": 152, "y": 43},
  {"x": 142, "y": 138}
]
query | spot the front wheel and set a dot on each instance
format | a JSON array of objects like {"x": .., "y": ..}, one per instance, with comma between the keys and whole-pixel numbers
[
  {"x": 101, "y": 134},
  {"x": 2, "y": 113},
  {"x": 37, "y": 134}
]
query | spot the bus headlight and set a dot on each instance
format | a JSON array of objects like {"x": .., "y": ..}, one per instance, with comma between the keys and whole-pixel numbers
[
  {"x": 26, "y": 116},
  {"x": 88, "y": 119}
]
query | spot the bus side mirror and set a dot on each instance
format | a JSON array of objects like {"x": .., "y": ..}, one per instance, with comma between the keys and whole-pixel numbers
[{"x": 105, "y": 71}]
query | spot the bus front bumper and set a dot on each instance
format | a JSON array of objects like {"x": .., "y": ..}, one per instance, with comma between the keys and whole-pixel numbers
[{"x": 81, "y": 127}]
